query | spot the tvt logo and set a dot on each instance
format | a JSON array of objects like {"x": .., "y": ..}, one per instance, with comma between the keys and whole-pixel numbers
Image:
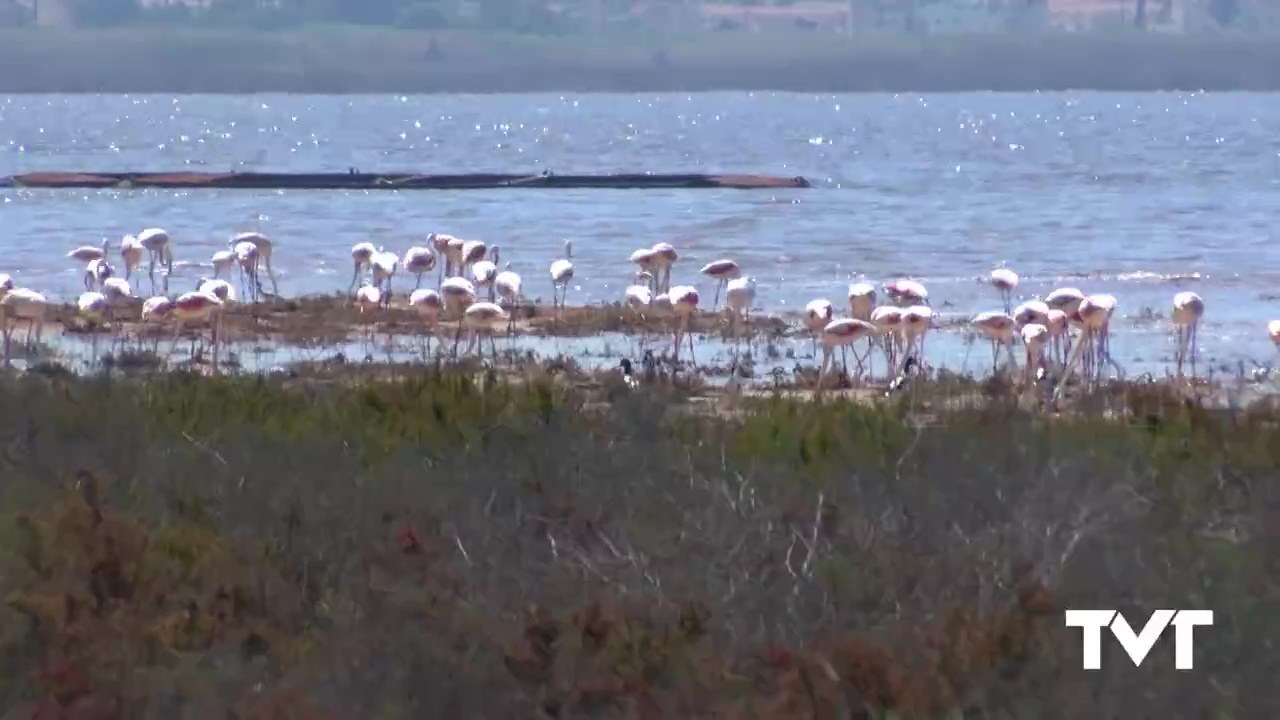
[{"x": 1138, "y": 645}]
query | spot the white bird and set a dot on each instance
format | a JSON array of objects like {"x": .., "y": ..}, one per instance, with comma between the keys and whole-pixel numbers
[
  {"x": 85, "y": 253},
  {"x": 862, "y": 300},
  {"x": 384, "y": 265},
  {"x": 1005, "y": 281},
  {"x": 221, "y": 261},
  {"x": 684, "y": 303},
  {"x": 419, "y": 261},
  {"x": 220, "y": 289},
  {"x": 1034, "y": 337},
  {"x": 130, "y": 254},
  {"x": 841, "y": 332},
  {"x": 117, "y": 290},
  {"x": 159, "y": 250},
  {"x": 739, "y": 295},
  {"x": 1273, "y": 331},
  {"x": 1188, "y": 308},
  {"x": 664, "y": 256},
  {"x": 361, "y": 256},
  {"x": 247, "y": 258},
  {"x": 1094, "y": 316},
  {"x": 480, "y": 317},
  {"x": 264, "y": 246},
  {"x": 21, "y": 304},
  {"x": 999, "y": 328},
  {"x": 916, "y": 321},
  {"x": 485, "y": 271},
  {"x": 562, "y": 275},
  {"x": 722, "y": 271},
  {"x": 817, "y": 315},
  {"x": 508, "y": 285},
  {"x": 198, "y": 307},
  {"x": 907, "y": 292},
  {"x": 157, "y": 309},
  {"x": 454, "y": 253},
  {"x": 96, "y": 272}
]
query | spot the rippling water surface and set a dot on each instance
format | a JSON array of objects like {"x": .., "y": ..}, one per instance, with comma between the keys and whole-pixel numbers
[{"x": 1139, "y": 195}]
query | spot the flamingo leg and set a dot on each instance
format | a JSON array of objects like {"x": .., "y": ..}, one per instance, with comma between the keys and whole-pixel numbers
[
  {"x": 822, "y": 370},
  {"x": 1076, "y": 354},
  {"x": 1181, "y": 340},
  {"x": 456, "y": 337},
  {"x": 1195, "y": 345}
]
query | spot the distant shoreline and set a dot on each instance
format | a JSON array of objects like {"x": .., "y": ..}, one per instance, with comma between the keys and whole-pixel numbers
[{"x": 355, "y": 60}]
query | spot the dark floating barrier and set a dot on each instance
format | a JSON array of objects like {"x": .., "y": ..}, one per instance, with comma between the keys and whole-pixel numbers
[{"x": 394, "y": 181}]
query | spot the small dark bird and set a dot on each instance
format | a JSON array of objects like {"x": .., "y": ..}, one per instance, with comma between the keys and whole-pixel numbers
[
  {"x": 627, "y": 373},
  {"x": 908, "y": 370},
  {"x": 650, "y": 366}
]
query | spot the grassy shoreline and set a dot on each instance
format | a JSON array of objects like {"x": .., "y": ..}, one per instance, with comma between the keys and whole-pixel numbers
[
  {"x": 436, "y": 541},
  {"x": 354, "y": 60}
]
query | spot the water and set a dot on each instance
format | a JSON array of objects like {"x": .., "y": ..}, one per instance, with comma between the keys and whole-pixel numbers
[{"x": 1139, "y": 195}]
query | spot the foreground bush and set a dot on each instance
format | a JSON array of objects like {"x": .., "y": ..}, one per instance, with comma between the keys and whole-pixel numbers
[{"x": 439, "y": 546}]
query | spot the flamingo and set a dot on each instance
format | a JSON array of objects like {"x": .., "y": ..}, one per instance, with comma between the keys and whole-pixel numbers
[
  {"x": 481, "y": 316},
  {"x": 1066, "y": 299},
  {"x": 1273, "y": 331},
  {"x": 156, "y": 310},
  {"x": 562, "y": 274},
  {"x": 428, "y": 303},
  {"x": 905, "y": 293},
  {"x": 1031, "y": 312},
  {"x": 862, "y": 300},
  {"x": 639, "y": 297},
  {"x": 384, "y": 265},
  {"x": 1188, "y": 308},
  {"x": 888, "y": 322},
  {"x": 684, "y": 303},
  {"x": 817, "y": 315},
  {"x": 6, "y": 284},
  {"x": 92, "y": 305},
  {"x": 646, "y": 258},
  {"x": 916, "y": 321},
  {"x": 440, "y": 243},
  {"x": 198, "y": 307},
  {"x": 263, "y": 244},
  {"x": 739, "y": 294},
  {"x": 664, "y": 256},
  {"x": 117, "y": 292},
  {"x": 1034, "y": 337},
  {"x": 220, "y": 289},
  {"x": 485, "y": 271},
  {"x": 159, "y": 250},
  {"x": 1094, "y": 318},
  {"x": 508, "y": 284},
  {"x": 473, "y": 251},
  {"x": 454, "y": 252},
  {"x": 1005, "y": 281},
  {"x": 247, "y": 259},
  {"x": 458, "y": 294},
  {"x": 841, "y": 332},
  {"x": 96, "y": 272},
  {"x": 1057, "y": 325},
  {"x": 85, "y": 253},
  {"x": 361, "y": 255},
  {"x": 21, "y": 304},
  {"x": 222, "y": 260},
  {"x": 722, "y": 271},
  {"x": 130, "y": 254},
  {"x": 999, "y": 328},
  {"x": 419, "y": 261}
]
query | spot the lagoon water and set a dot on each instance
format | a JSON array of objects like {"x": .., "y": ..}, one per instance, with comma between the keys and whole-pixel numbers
[{"x": 1139, "y": 195}]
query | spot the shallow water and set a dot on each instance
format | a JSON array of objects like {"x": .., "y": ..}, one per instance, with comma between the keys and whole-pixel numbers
[{"x": 1139, "y": 195}]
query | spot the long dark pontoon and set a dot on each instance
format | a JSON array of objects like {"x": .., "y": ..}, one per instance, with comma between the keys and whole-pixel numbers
[{"x": 391, "y": 181}]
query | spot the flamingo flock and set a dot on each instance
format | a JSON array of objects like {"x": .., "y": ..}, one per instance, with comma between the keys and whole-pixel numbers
[{"x": 1064, "y": 333}]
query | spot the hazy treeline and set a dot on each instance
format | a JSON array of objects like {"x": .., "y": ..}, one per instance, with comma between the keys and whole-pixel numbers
[{"x": 349, "y": 59}]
